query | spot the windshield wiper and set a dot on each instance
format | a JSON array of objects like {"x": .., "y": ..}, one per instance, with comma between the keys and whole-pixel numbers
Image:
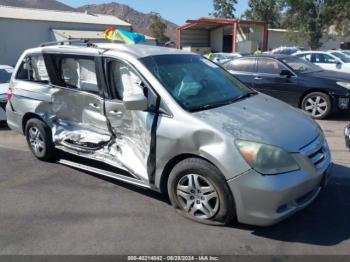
[{"x": 227, "y": 102}]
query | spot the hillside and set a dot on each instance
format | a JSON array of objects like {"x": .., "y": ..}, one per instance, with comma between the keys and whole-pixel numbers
[
  {"x": 140, "y": 21},
  {"x": 39, "y": 4}
]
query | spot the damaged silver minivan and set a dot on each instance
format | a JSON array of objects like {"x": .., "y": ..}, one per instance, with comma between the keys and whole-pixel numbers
[{"x": 173, "y": 122}]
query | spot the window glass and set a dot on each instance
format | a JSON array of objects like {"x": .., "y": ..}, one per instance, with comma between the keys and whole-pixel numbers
[
  {"x": 5, "y": 75},
  {"x": 301, "y": 66},
  {"x": 324, "y": 59},
  {"x": 195, "y": 82},
  {"x": 125, "y": 81},
  {"x": 343, "y": 57},
  {"x": 306, "y": 57},
  {"x": 33, "y": 69},
  {"x": 243, "y": 65},
  {"x": 269, "y": 66},
  {"x": 79, "y": 73}
]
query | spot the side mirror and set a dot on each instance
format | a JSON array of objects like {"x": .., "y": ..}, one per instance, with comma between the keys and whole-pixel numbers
[
  {"x": 285, "y": 73},
  {"x": 136, "y": 102}
]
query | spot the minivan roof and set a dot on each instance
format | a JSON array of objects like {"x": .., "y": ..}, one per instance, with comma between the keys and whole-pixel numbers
[{"x": 137, "y": 50}]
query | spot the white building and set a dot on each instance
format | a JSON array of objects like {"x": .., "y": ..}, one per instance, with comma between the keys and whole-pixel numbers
[
  {"x": 23, "y": 28},
  {"x": 283, "y": 37}
]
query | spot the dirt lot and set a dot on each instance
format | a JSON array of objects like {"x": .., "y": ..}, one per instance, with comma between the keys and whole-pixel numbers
[{"x": 48, "y": 208}]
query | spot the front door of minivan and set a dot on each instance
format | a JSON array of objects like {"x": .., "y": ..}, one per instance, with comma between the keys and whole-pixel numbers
[
  {"x": 77, "y": 103},
  {"x": 132, "y": 129}
]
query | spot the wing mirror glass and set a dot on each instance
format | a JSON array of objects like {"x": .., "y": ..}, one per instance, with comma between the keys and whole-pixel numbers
[{"x": 286, "y": 73}]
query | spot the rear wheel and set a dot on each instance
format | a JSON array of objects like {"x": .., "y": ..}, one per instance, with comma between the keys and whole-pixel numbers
[
  {"x": 199, "y": 192},
  {"x": 317, "y": 104},
  {"x": 38, "y": 136}
]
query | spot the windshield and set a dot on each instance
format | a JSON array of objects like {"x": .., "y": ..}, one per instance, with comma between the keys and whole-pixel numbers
[
  {"x": 5, "y": 75},
  {"x": 301, "y": 66},
  {"x": 195, "y": 82},
  {"x": 342, "y": 57}
]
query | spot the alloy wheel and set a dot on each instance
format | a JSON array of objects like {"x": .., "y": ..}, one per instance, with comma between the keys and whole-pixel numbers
[
  {"x": 197, "y": 196},
  {"x": 316, "y": 106},
  {"x": 36, "y": 140}
]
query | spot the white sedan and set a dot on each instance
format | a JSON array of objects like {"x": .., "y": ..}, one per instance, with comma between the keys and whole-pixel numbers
[
  {"x": 5, "y": 76},
  {"x": 327, "y": 60}
]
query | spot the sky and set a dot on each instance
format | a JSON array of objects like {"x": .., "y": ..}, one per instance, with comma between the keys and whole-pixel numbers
[{"x": 177, "y": 11}]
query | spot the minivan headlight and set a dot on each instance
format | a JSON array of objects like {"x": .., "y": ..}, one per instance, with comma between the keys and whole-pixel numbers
[
  {"x": 266, "y": 159},
  {"x": 344, "y": 84}
]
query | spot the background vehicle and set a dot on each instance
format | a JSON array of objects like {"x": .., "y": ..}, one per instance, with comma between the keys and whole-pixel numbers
[
  {"x": 222, "y": 58},
  {"x": 326, "y": 60},
  {"x": 5, "y": 76},
  {"x": 285, "y": 50},
  {"x": 173, "y": 122},
  {"x": 295, "y": 81}
]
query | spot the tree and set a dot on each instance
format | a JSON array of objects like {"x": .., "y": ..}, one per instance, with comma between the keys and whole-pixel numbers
[
  {"x": 157, "y": 27},
  {"x": 314, "y": 18},
  {"x": 224, "y": 8},
  {"x": 265, "y": 10}
]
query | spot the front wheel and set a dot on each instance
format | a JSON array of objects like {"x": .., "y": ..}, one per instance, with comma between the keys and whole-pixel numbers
[
  {"x": 199, "y": 192},
  {"x": 317, "y": 104}
]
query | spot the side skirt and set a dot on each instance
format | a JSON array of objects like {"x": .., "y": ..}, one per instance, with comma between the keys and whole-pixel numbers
[{"x": 104, "y": 173}]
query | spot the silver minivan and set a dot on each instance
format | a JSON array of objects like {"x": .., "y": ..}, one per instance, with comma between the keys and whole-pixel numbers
[{"x": 173, "y": 122}]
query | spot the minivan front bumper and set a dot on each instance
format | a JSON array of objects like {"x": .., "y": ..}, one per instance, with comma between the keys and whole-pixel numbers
[{"x": 267, "y": 199}]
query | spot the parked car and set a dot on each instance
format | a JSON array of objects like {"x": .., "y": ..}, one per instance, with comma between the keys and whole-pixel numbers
[
  {"x": 285, "y": 50},
  {"x": 326, "y": 60},
  {"x": 176, "y": 123},
  {"x": 347, "y": 136},
  {"x": 295, "y": 81},
  {"x": 5, "y": 76},
  {"x": 222, "y": 58}
]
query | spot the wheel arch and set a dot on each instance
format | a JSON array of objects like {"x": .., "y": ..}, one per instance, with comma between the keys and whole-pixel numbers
[
  {"x": 313, "y": 90},
  {"x": 163, "y": 185},
  {"x": 27, "y": 117}
]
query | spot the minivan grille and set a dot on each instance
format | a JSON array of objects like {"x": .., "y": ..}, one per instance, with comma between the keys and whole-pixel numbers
[{"x": 317, "y": 151}]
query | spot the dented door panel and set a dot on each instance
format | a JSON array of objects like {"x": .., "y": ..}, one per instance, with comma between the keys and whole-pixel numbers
[{"x": 132, "y": 130}]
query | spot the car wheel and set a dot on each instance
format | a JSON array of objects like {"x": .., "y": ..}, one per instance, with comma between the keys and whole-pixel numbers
[
  {"x": 317, "y": 104},
  {"x": 198, "y": 191},
  {"x": 39, "y": 139}
]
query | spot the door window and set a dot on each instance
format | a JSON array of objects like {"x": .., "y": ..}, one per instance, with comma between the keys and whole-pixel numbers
[
  {"x": 306, "y": 57},
  {"x": 124, "y": 80},
  {"x": 269, "y": 66},
  {"x": 79, "y": 73},
  {"x": 324, "y": 59},
  {"x": 33, "y": 69},
  {"x": 243, "y": 65}
]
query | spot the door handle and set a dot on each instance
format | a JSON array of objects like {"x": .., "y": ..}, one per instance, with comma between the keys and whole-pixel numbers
[
  {"x": 94, "y": 105},
  {"x": 258, "y": 78},
  {"x": 116, "y": 113}
]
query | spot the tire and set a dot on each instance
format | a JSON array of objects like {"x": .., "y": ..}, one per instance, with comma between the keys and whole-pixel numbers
[
  {"x": 39, "y": 140},
  {"x": 317, "y": 104},
  {"x": 209, "y": 201}
]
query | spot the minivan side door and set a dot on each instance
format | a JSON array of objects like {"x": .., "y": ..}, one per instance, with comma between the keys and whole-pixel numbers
[
  {"x": 269, "y": 81},
  {"x": 77, "y": 102},
  {"x": 244, "y": 69},
  {"x": 134, "y": 130}
]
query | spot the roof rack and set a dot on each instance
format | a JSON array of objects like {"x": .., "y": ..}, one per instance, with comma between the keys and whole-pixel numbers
[{"x": 70, "y": 42}]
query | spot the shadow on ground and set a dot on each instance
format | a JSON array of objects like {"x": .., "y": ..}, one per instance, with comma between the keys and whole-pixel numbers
[{"x": 325, "y": 222}]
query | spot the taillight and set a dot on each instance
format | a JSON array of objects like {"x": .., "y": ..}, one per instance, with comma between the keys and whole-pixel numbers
[{"x": 9, "y": 95}]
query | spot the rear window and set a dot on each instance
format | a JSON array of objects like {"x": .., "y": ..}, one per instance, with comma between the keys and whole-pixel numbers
[
  {"x": 242, "y": 65},
  {"x": 33, "y": 69}
]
